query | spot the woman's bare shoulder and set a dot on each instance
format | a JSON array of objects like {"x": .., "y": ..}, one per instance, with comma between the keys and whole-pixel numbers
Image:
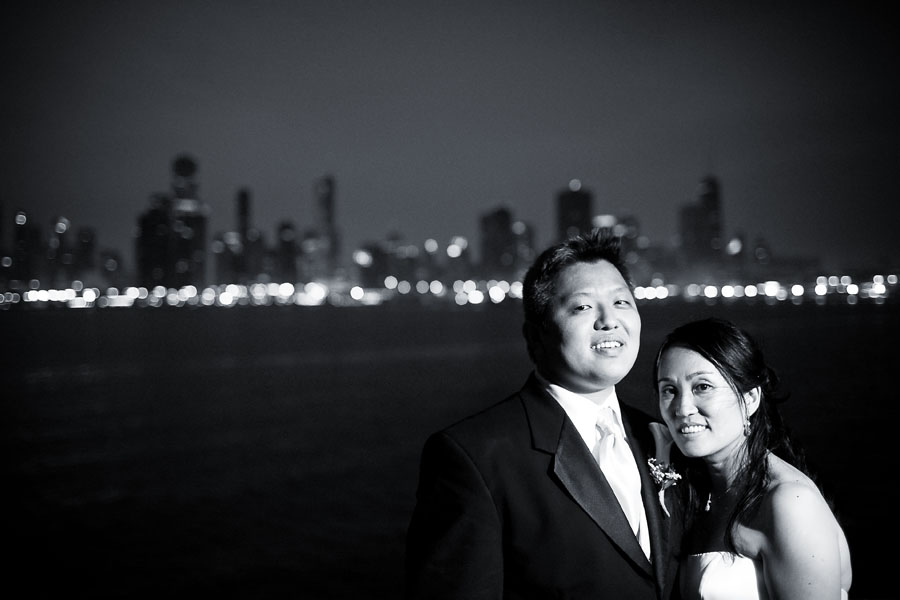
[
  {"x": 782, "y": 472},
  {"x": 792, "y": 506}
]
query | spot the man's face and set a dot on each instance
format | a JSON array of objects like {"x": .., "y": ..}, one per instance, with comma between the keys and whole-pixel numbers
[{"x": 594, "y": 333}]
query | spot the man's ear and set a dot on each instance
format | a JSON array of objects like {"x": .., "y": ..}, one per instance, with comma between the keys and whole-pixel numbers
[
  {"x": 751, "y": 400},
  {"x": 533, "y": 341}
]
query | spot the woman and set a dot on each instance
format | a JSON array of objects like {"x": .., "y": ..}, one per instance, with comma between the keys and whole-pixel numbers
[{"x": 756, "y": 525}]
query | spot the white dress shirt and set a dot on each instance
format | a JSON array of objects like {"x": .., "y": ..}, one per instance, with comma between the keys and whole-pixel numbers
[{"x": 582, "y": 412}]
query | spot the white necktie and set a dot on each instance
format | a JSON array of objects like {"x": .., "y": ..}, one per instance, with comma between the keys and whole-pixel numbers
[{"x": 618, "y": 465}]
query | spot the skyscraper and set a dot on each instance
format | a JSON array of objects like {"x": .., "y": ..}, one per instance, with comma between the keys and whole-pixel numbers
[
  {"x": 498, "y": 244},
  {"x": 243, "y": 213},
  {"x": 573, "y": 210},
  {"x": 285, "y": 253},
  {"x": 325, "y": 219},
  {"x": 701, "y": 223},
  {"x": 171, "y": 244}
]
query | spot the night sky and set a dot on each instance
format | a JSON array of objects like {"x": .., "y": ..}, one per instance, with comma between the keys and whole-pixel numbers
[{"x": 430, "y": 114}]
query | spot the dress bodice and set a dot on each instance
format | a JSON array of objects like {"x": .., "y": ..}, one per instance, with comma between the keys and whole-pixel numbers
[
  {"x": 720, "y": 576},
  {"x": 723, "y": 576}
]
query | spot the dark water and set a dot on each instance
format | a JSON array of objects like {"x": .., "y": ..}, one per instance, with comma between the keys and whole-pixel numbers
[{"x": 266, "y": 452}]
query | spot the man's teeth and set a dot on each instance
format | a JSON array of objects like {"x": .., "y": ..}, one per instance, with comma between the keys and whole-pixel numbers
[
  {"x": 610, "y": 344},
  {"x": 692, "y": 428}
]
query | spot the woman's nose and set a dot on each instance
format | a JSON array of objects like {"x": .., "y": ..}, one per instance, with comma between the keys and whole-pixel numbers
[{"x": 684, "y": 405}]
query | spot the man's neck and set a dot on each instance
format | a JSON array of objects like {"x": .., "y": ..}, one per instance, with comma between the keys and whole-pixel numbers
[{"x": 598, "y": 397}]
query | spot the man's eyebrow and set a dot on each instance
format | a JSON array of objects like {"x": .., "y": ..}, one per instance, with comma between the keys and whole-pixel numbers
[{"x": 590, "y": 292}]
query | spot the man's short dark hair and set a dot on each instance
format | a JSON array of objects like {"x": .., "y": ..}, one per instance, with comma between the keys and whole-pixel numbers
[{"x": 538, "y": 287}]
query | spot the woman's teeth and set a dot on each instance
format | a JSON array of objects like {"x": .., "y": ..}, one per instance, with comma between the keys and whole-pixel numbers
[{"x": 692, "y": 428}]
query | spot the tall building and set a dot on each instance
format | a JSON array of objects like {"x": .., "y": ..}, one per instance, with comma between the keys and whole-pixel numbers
[
  {"x": 60, "y": 253},
  {"x": 4, "y": 240},
  {"x": 701, "y": 223},
  {"x": 525, "y": 250},
  {"x": 573, "y": 211},
  {"x": 171, "y": 244},
  {"x": 498, "y": 244},
  {"x": 26, "y": 260},
  {"x": 243, "y": 212},
  {"x": 244, "y": 249},
  {"x": 151, "y": 246},
  {"x": 285, "y": 253},
  {"x": 325, "y": 220},
  {"x": 320, "y": 244},
  {"x": 507, "y": 245},
  {"x": 86, "y": 252}
]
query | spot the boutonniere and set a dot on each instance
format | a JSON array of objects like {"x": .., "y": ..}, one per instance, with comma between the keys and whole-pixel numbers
[{"x": 662, "y": 472}]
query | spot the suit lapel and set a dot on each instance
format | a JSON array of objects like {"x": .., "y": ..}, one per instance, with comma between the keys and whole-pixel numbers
[
  {"x": 641, "y": 442},
  {"x": 577, "y": 470}
]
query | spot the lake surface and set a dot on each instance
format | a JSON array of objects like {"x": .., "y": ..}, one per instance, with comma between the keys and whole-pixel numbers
[{"x": 262, "y": 452}]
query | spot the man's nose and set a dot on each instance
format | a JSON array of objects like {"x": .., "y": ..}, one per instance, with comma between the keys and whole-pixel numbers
[{"x": 605, "y": 319}]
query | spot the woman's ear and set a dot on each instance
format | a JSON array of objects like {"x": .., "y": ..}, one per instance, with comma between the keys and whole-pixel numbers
[{"x": 751, "y": 400}]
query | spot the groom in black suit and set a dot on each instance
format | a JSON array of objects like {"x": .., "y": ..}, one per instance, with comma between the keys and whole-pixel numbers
[{"x": 512, "y": 502}]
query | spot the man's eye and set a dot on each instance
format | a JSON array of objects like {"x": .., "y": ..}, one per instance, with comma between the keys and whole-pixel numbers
[{"x": 582, "y": 307}]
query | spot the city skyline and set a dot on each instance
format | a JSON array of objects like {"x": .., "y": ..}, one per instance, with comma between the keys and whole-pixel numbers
[
  {"x": 184, "y": 217},
  {"x": 430, "y": 117}
]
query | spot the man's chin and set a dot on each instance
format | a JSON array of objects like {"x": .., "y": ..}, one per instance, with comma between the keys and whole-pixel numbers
[{"x": 608, "y": 378}]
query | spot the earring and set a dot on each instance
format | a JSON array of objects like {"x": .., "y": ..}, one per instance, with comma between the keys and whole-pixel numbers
[{"x": 746, "y": 427}]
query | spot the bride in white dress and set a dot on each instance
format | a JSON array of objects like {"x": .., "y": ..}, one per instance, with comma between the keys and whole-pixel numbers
[{"x": 756, "y": 525}]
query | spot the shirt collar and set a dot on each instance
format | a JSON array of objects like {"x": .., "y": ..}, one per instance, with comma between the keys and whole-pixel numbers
[{"x": 582, "y": 411}]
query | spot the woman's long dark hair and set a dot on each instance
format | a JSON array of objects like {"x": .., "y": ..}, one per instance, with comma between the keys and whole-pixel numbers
[{"x": 740, "y": 360}]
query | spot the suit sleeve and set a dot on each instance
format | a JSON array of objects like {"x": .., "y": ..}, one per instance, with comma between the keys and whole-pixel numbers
[{"x": 454, "y": 540}]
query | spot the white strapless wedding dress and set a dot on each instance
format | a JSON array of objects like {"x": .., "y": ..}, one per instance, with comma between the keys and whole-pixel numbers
[{"x": 722, "y": 576}]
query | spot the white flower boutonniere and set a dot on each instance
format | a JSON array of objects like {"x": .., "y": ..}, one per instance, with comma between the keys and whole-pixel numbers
[{"x": 660, "y": 469}]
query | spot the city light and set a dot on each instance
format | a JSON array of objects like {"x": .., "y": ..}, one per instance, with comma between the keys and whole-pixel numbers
[
  {"x": 496, "y": 295},
  {"x": 468, "y": 292},
  {"x": 362, "y": 258},
  {"x": 304, "y": 270}
]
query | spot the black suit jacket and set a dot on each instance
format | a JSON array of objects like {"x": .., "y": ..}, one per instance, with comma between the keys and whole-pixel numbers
[{"x": 512, "y": 505}]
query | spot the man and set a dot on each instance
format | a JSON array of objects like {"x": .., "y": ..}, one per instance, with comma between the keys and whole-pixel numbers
[{"x": 512, "y": 502}]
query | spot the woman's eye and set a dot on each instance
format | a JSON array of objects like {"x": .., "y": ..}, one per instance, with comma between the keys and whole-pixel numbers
[
  {"x": 702, "y": 387},
  {"x": 582, "y": 307}
]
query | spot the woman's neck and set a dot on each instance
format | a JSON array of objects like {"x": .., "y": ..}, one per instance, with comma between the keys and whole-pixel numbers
[{"x": 724, "y": 469}]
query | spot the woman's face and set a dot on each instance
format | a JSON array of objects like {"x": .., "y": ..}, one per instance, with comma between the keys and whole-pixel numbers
[{"x": 702, "y": 411}]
